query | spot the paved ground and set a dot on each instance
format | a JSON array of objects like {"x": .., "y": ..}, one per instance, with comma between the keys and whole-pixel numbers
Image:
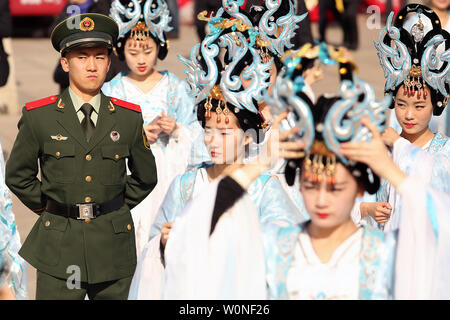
[{"x": 35, "y": 60}]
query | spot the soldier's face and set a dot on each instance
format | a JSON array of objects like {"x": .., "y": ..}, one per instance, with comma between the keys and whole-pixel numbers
[
  {"x": 87, "y": 68},
  {"x": 141, "y": 56}
]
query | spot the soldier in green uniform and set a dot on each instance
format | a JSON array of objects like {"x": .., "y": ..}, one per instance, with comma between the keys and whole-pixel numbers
[{"x": 83, "y": 242}]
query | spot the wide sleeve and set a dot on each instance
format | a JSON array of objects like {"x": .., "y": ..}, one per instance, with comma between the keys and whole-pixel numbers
[
  {"x": 423, "y": 250},
  {"x": 437, "y": 173},
  {"x": 170, "y": 208},
  {"x": 141, "y": 164},
  {"x": 227, "y": 264},
  {"x": 13, "y": 269},
  {"x": 22, "y": 166},
  {"x": 185, "y": 110}
]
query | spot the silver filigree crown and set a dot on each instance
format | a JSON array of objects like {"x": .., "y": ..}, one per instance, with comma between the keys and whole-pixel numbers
[
  {"x": 142, "y": 17},
  {"x": 427, "y": 64}
]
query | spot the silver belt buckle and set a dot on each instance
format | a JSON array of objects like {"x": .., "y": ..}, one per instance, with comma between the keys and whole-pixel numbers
[{"x": 86, "y": 211}]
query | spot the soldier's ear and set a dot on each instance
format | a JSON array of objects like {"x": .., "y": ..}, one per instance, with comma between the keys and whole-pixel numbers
[
  {"x": 65, "y": 64},
  {"x": 109, "y": 62}
]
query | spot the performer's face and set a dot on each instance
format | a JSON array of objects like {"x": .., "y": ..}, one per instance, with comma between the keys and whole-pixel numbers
[
  {"x": 413, "y": 113},
  {"x": 87, "y": 68},
  {"x": 225, "y": 141},
  {"x": 329, "y": 206},
  {"x": 141, "y": 58}
]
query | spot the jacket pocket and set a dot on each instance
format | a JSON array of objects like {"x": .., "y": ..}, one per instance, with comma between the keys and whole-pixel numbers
[
  {"x": 124, "y": 241},
  {"x": 59, "y": 162},
  {"x": 51, "y": 232},
  {"x": 113, "y": 168}
]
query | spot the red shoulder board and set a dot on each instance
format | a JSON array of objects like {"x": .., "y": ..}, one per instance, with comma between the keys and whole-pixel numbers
[
  {"x": 40, "y": 103},
  {"x": 125, "y": 104}
]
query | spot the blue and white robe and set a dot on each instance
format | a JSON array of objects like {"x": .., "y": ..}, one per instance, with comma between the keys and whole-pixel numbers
[
  {"x": 266, "y": 193},
  {"x": 13, "y": 269},
  {"x": 172, "y": 153}
]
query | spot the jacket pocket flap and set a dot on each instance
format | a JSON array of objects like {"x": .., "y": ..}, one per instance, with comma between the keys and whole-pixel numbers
[
  {"x": 54, "y": 222},
  {"x": 122, "y": 224},
  {"x": 115, "y": 152},
  {"x": 59, "y": 149}
]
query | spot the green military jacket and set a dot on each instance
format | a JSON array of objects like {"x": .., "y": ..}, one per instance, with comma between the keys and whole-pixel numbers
[{"x": 76, "y": 171}]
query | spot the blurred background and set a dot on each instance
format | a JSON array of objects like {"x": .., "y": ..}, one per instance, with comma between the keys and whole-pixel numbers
[{"x": 28, "y": 62}]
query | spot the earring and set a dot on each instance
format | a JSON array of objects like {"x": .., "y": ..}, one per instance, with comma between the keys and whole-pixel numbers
[
  {"x": 331, "y": 169},
  {"x": 226, "y": 112},
  {"x": 307, "y": 166},
  {"x": 219, "y": 111},
  {"x": 208, "y": 107}
]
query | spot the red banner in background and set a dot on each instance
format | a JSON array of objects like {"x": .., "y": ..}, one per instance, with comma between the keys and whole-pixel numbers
[
  {"x": 182, "y": 3},
  {"x": 36, "y": 7}
]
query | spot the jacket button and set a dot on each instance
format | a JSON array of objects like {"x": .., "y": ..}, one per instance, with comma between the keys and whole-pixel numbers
[
  {"x": 129, "y": 227},
  {"x": 88, "y": 179},
  {"x": 116, "y": 156},
  {"x": 88, "y": 157},
  {"x": 47, "y": 223},
  {"x": 87, "y": 199},
  {"x": 58, "y": 154}
]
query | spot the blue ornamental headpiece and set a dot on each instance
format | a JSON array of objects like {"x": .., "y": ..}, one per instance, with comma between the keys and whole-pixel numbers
[
  {"x": 140, "y": 19},
  {"x": 414, "y": 53},
  {"x": 234, "y": 46},
  {"x": 215, "y": 65},
  {"x": 275, "y": 22},
  {"x": 331, "y": 121}
]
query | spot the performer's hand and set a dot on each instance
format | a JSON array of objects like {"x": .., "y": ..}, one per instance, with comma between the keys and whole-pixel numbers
[
  {"x": 379, "y": 211},
  {"x": 389, "y": 136},
  {"x": 152, "y": 131},
  {"x": 165, "y": 231},
  {"x": 375, "y": 155},
  {"x": 7, "y": 294},
  {"x": 279, "y": 146},
  {"x": 168, "y": 125}
]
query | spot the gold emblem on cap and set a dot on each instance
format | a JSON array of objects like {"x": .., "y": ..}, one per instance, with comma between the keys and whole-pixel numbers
[{"x": 87, "y": 24}]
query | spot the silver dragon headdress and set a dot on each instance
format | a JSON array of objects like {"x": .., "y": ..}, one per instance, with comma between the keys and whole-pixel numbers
[
  {"x": 414, "y": 52},
  {"x": 224, "y": 60},
  {"x": 275, "y": 22},
  {"x": 331, "y": 121},
  {"x": 141, "y": 19}
]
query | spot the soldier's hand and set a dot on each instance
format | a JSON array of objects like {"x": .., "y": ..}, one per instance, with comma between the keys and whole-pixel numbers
[
  {"x": 152, "y": 131},
  {"x": 165, "y": 231},
  {"x": 7, "y": 293},
  {"x": 168, "y": 125}
]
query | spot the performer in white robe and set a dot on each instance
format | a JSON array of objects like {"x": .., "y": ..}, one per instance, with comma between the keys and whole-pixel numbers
[
  {"x": 167, "y": 109},
  {"x": 330, "y": 257},
  {"x": 13, "y": 269},
  {"x": 420, "y": 85}
]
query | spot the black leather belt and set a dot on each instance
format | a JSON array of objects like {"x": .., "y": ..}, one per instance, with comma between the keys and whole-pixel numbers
[{"x": 84, "y": 211}]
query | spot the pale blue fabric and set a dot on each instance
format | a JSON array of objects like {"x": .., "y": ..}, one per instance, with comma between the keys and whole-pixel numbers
[
  {"x": 14, "y": 268},
  {"x": 177, "y": 105},
  {"x": 377, "y": 261},
  {"x": 271, "y": 201},
  {"x": 440, "y": 150}
]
